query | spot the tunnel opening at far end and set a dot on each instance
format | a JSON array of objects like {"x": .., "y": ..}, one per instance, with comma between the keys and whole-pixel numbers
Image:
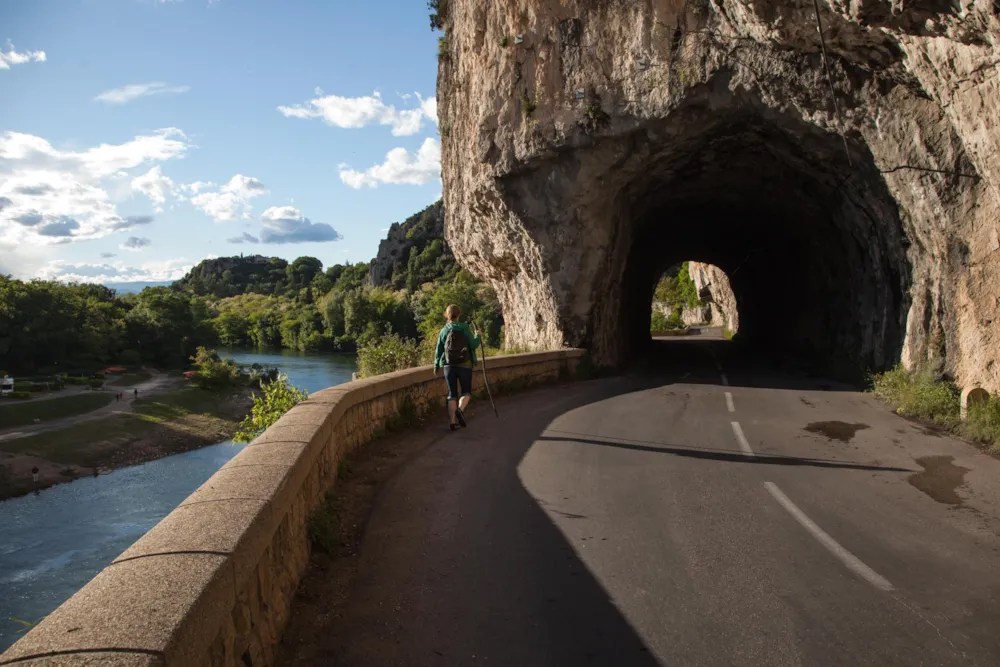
[
  {"x": 810, "y": 240},
  {"x": 692, "y": 296}
]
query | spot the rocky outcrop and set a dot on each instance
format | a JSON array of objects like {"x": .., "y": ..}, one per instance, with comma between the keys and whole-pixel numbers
[
  {"x": 717, "y": 296},
  {"x": 394, "y": 250},
  {"x": 587, "y": 145}
]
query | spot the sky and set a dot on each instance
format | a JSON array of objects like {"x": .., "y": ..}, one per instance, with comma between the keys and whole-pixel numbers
[{"x": 139, "y": 137}]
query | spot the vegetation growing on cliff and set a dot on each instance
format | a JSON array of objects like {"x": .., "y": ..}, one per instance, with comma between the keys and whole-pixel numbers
[{"x": 675, "y": 291}]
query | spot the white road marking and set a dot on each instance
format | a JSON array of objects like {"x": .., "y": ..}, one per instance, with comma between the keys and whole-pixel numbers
[
  {"x": 725, "y": 380},
  {"x": 744, "y": 445},
  {"x": 729, "y": 402},
  {"x": 852, "y": 562}
]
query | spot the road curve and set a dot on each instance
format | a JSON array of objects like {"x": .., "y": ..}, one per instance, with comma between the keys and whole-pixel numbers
[{"x": 703, "y": 511}]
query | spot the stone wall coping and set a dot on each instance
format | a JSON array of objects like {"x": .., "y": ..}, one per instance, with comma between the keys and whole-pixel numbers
[{"x": 165, "y": 599}]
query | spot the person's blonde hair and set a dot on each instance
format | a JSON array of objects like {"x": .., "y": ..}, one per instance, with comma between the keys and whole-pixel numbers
[{"x": 452, "y": 312}]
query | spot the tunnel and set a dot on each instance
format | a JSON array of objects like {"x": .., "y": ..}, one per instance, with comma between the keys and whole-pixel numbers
[{"x": 799, "y": 219}]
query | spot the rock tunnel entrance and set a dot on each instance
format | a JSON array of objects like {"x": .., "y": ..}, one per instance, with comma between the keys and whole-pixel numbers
[{"x": 812, "y": 242}]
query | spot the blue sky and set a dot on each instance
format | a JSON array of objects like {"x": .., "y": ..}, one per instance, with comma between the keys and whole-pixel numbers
[{"x": 138, "y": 137}]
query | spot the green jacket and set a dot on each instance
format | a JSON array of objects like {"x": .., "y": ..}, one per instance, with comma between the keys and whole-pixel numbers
[{"x": 474, "y": 343}]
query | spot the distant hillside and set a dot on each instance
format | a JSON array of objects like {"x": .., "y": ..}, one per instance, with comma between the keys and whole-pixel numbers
[
  {"x": 414, "y": 252},
  {"x": 136, "y": 287},
  {"x": 229, "y": 276}
]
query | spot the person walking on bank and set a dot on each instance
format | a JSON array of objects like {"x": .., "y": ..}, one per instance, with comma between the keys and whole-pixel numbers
[{"x": 456, "y": 353}]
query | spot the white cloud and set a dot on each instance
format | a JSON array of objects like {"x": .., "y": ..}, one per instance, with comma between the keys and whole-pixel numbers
[
  {"x": 430, "y": 107},
  {"x": 286, "y": 224},
  {"x": 157, "y": 271},
  {"x": 245, "y": 237},
  {"x": 40, "y": 181},
  {"x": 13, "y": 57},
  {"x": 135, "y": 243},
  {"x": 400, "y": 167},
  {"x": 154, "y": 185},
  {"x": 136, "y": 90},
  {"x": 356, "y": 112},
  {"x": 231, "y": 201}
]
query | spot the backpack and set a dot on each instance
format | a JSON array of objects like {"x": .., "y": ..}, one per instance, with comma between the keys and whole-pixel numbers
[{"x": 456, "y": 347}]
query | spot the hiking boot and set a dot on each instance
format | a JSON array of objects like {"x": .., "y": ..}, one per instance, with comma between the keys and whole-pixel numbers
[{"x": 460, "y": 417}]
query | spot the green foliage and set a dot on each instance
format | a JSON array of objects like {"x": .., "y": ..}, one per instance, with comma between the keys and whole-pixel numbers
[
  {"x": 439, "y": 13},
  {"x": 213, "y": 372},
  {"x": 443, "y": 46},
  {"x": 387, "y": 353},
  {"x": 505, "y": 42},
  {"x": 924, "y": 395},
  {"x": 676, "y": 288},
  {"x": 983, "y": 422},
  {"x": 252, "y": 301},
  {"x": 919, "y": 395},
  {"x": 276, "y": 398},
  {"x": 478, "y": 302},
  {"x": 727, "y": 333}
]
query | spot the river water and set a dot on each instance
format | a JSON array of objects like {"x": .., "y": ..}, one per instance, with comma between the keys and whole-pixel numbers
[{"x": 53, "y": 542}]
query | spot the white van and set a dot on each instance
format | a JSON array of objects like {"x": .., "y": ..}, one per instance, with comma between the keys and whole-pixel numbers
[{"x": 6, "y": 385}]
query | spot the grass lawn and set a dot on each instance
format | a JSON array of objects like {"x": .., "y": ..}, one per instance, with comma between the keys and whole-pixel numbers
[
  {"x": 128, "y": 379},
  {"x": 14, "y": 413},
  {"x": 179, "y": 416}
]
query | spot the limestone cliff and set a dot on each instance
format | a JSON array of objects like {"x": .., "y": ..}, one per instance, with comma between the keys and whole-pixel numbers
[
  {"x": 589, "y": 144},
  {"x": 415, "y": 232},
  {"x": 719, "y": 302}
]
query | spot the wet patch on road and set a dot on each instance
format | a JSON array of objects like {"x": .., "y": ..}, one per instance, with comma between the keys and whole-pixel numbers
[
  {"x": 805, "y": 401},
  {"x": 940, "y": 479},
  {"x": 834, "y": 430}
]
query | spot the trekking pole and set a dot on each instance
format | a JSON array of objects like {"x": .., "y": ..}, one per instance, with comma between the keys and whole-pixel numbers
[{"x": 486, "y": 379}]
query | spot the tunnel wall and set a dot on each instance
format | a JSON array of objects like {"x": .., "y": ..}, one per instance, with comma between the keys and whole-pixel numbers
[
  {"x": 568, "y": 153},
  {"x": 212, "y": 584}
]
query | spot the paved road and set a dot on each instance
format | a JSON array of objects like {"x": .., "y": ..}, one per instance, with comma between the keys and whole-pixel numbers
[{"x": 705, "y": 511}]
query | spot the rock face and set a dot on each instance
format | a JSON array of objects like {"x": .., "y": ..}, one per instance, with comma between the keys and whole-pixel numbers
[
  {"x": 588, "y": 144},
  {"x": 414, "y": 232},
  {"x": 714, "y": 291}
]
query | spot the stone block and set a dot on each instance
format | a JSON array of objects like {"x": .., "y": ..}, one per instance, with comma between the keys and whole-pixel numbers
[
  {"x": 240, "y": 528},
  {"x": 253, "y": 481},
  {"x": 171, "y": 605}
]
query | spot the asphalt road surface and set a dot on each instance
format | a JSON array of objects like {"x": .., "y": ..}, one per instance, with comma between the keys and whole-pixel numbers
[{"x": 702, "y": 511}]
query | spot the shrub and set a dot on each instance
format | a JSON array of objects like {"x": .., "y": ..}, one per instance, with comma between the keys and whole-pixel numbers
[
  {"x": 19, "y": 394},
  {"x": 983, "y": 422},
  {"x": 918, "y": 395},
  {"x": 96, "y": 384},
  {"x": 386, "y": 354},
  {"x": 439, "y": 13},
  {"x": 213, "y": 372},
  {"x": 278, "y": 397}
]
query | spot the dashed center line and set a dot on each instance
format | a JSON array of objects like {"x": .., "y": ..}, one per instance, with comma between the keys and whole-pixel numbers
[
  {"x": 852, "y": 562},
  {"x": 729, "y": 402},
  {"x": 742, "y": 439}
]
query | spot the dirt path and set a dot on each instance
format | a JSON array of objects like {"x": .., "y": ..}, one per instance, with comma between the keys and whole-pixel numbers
[{"x": 159, "y": 383}]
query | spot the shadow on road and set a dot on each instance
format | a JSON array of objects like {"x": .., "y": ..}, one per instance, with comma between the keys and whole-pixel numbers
[
  {"x": 460, "y": 565},
  {"x": 717, "y": 454},
  {"x": 743, "y": 366}
]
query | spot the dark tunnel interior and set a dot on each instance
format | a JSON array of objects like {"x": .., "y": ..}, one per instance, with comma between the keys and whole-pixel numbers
[{"x": 812, "y": 243}]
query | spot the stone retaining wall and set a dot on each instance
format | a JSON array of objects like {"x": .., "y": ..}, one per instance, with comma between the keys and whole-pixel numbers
[{"x": 212, "y": 584}]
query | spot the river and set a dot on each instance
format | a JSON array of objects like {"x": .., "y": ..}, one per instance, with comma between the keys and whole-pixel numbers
[{"x": 53, "y": 542}]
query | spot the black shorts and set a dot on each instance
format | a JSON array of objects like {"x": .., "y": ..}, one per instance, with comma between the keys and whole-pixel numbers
[{"x": 458, "y": 375}]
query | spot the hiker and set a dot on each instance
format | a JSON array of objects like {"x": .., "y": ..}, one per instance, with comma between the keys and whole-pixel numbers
[
  {"x": 456, "y": 353},
  {"x": 136, "y": 390}
]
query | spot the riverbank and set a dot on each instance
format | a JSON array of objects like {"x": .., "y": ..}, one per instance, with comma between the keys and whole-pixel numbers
[{"x": 175, "y": 421}]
